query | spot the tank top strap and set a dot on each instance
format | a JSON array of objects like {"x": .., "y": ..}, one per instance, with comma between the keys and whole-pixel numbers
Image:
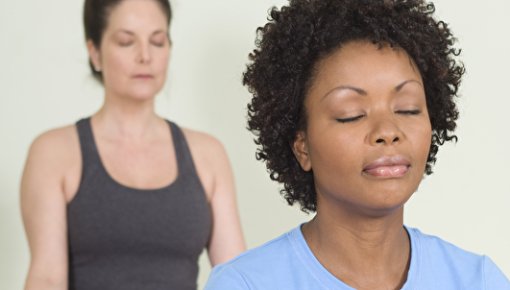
[
  {"x": 183, "y": 156},
  {"x": 89, "y": 153}
]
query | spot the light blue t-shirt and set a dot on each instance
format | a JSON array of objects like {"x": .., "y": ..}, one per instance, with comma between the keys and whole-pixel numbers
[{"x": 287, "y": 263}]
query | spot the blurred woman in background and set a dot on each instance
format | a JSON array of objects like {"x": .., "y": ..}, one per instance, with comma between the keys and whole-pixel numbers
[{"x": 125, "y": 199}]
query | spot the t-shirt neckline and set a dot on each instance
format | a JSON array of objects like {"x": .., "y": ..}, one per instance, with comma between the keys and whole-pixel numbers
[{"x": 329, "y": 281}]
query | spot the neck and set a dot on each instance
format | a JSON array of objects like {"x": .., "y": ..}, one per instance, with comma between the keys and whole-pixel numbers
[
  {"x": 126, "y": 119},
  {"x": 362, "y": 252}
]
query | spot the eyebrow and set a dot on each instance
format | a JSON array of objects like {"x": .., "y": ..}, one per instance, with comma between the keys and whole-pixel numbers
[
  {"x": 132, "y": 33},
  {"x": 400, "y": 86},
  {"x": 362, "y": 92},
  {"x": 124, "y": 31}
]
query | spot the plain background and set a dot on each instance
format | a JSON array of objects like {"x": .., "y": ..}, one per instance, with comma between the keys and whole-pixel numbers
[{"x": 45, "y": 83}]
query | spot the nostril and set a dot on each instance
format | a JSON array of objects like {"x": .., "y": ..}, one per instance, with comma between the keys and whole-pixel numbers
[{"x": 384, "y": 140}]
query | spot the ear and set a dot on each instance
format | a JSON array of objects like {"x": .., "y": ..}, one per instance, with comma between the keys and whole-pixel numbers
[
  {"x": 300, "y": 149},
  {"x": 94, "y": 55}
]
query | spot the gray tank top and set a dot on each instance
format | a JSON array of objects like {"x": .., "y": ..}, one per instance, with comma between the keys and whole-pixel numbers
[{"x": 121, "y": 238}]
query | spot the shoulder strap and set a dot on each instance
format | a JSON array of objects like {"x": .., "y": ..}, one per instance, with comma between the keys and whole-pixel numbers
[
  {"x": 183, "y": 156},
  {"x": 89, "y": 154}
]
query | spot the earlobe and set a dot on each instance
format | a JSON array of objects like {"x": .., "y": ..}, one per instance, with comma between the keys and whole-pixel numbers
[
  {"x": 94, "y": 55},
  {"x": 300, "y": 149}
]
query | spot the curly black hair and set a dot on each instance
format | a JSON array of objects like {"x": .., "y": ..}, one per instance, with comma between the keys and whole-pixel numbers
[{"x": 299, "y": 35}]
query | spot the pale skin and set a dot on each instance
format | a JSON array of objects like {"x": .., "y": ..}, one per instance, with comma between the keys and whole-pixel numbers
[
  {"x": 134, "y": 144},
  {"x": 367, "y": 140}
]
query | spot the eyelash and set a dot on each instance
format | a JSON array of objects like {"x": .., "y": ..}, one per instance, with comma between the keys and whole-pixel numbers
[
  {"x": 351, "y": 119},
  {"x": 128, "y": 43},
  {"x": 158, "y": 44},
  {"x": 125, "y": 44},
  {"x": 408, "y": 112},
  {"x": 356, "y": 118}
]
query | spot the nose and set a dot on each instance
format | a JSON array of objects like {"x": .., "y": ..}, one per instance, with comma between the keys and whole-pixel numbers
[
  {"x": 144, "y": 54},
  {"x": 385, "y": 132}
]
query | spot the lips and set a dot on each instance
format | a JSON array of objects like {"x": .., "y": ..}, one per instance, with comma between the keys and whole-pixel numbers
[
  {"x": 143, "y": 76},
  {"x": 388, "y": 167}
]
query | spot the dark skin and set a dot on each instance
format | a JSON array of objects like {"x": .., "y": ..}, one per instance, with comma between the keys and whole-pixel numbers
[{"x": 367, "y": 139}]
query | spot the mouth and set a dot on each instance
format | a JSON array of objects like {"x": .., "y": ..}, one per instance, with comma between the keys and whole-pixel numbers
[
  {"x": 388, "y": 167},
  {"x": 143, "y": 76}
]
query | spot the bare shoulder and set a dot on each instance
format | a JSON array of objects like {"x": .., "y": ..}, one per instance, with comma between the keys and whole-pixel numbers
[
  {"x": 54, "y": 144},
  {"x": 210, "y": 158},
  {"x": 54, "y": 156},
  {"x": 204, "y": 145}
]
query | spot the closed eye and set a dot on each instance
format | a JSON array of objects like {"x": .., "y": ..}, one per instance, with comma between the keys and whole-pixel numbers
[
  {"x": 125, "y": 43},
  {"x": 158, "y": 43},
  {"x": 350, "y": 119},
  {"x": 408, "y": 112},
  {"x": 159, "y": 39}
]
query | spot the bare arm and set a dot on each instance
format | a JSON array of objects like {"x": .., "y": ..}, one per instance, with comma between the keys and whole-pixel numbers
[
  {"x": 227, "y": 239},
  {"x": 214, "y": 169},
  {"x": 43, "y": 206}
]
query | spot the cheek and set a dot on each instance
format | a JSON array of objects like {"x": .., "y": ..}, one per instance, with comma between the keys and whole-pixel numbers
[
  {"x": 161, "y": 63},
  {"x": 335, "y": 151},
  {"x": 117, "y": 61},
  {"x": 421, "y": 137}
]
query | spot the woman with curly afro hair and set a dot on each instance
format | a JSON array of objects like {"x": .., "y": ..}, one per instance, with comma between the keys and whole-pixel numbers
[{"x": 351, "y": 101}]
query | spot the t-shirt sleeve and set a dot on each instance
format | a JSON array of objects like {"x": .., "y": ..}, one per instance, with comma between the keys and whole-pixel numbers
[
  {"x": 226, "y": 277},
  {"x": 494, "y": 278}
]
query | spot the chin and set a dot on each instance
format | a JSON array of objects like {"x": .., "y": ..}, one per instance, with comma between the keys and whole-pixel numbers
[
  {"x": 144, "y": 97},
  {"x": 143, "y": 89},
  {"x": 386, "y": 202},
  {"x": 143, "y": 94}
]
